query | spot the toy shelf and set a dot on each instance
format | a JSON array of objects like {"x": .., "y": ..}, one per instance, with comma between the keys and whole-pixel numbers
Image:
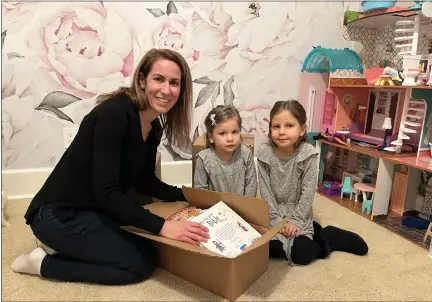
[
  {"x": 406, "y": 158},
  {"x": 387, "y": 161},
  {"x": 380, "y": 87}
]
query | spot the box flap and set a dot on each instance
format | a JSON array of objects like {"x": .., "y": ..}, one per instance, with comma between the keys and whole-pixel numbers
[
  {"x": 266, "y": 237},
  {"x": 164, "y": 209},
  {"x": 251, "y": 209}
]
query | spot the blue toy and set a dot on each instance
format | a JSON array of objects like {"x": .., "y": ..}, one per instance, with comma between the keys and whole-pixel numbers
[
  {"x": 346, "y": 189},
  {"x": 369, "y": 6},
  {"x": 367, "y": 204},
  {"x": 415, "y": 222},
  {"x": 321, "y": 60}
]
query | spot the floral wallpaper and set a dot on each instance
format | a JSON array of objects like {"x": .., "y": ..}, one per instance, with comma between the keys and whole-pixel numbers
[{"x": 57, "y": 57}]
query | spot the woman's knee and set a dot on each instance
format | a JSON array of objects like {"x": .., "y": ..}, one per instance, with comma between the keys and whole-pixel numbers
[{"x": 141, "y": 265}]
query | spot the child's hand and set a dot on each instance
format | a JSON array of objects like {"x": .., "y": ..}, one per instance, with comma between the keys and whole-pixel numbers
[{"x": 291, "y": 230}]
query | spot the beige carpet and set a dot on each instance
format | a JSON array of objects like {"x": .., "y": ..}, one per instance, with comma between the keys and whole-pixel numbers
[{"x": 395, "y": 269}]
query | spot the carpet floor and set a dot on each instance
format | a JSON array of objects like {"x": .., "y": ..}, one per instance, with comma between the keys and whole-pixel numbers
[{"x": 394, "y": 269}]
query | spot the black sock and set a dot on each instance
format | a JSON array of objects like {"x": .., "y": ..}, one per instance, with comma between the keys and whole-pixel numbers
[
  {"x": 276, "y": 249},
  {"x": 325, "y": 248},
  {"x": 343, "y": 240}
]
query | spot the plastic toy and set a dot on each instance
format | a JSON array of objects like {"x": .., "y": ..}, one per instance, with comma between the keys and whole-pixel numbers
[
  {"x": 367, "y": 204},
  {"x": 331, "y": 188},
  {"x": 347, "y": 188}
]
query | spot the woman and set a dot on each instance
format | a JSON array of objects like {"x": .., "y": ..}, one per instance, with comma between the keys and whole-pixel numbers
[{"x": 79, "y": 210}]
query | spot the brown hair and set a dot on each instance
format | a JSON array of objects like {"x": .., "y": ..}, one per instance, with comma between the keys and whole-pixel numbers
[
  {"x": 177, "y": 121},
  {"x": 296, "y": 109},
  {"x": 221, "y": 113}
]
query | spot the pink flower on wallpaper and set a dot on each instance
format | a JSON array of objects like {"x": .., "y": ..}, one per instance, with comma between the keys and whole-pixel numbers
[
  {"x": 199, "y": 34},
  {"x": 86, "y": 47},
  {"x": 257, "y": 122},
  {"x": 281, "y": 31},
  {"x": 16, "y": 15}
]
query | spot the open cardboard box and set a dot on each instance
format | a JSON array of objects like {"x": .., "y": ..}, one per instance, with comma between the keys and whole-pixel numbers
[
  {"x": 200, "y": 144},
  {"x": 226, "y": 277}
]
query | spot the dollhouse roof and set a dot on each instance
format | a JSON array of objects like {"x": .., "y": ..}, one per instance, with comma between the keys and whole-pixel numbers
[{"x": 322, "y": 60}]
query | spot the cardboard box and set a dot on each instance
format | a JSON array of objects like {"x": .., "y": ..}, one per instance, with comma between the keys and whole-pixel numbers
[
  {"x": 226, "y": 277},
  {"x": 200, "y": 144}
]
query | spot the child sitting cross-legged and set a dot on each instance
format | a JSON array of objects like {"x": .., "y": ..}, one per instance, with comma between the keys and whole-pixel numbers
[{"x": 288, "y": 176}]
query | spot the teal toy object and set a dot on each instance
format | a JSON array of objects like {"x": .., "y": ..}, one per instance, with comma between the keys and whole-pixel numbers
[
  {"x": 347, "y": 188},
  {"x": 322, "y": 60},
  {"x": 367, "y": 204}
]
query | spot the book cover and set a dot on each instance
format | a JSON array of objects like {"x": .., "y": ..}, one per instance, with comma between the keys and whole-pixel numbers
[{"x": 229, "y": 233}]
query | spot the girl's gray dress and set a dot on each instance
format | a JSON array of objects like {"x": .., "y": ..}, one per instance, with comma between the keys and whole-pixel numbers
[
  {"x": 237, "y": 176},
  {"x": 289, "y": 186}
]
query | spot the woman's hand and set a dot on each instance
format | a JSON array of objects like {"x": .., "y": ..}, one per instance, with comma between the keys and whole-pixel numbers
[
  {"x": 186, "y": 231},
  {"x": 290, "y": 230}
]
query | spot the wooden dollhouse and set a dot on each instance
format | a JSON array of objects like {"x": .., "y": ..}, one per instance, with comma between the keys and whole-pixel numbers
[{"x": 391, "y": 124}]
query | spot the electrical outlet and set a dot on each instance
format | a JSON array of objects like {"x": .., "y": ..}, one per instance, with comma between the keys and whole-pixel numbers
[{"x": 68, "y": 136}]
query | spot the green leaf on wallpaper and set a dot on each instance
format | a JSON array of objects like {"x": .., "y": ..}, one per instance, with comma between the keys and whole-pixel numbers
[
  {"x": 171, "y": 8},
  {"x": 13, "y": 55},
  {"x": 59, "y": 99},
  {"x": 157, "y": 12},
  {"x": 56, "y": 111},
  {"x": 3, "y": 38},
  {"x": 196, "y": 134},
  {"x": 216, "y": 93},
  {"x": 228, "y": 93},
  {"x": 205, "y": 93},
  {"x": 203, "y": 80},
  {"x": 173, "y": 154}
]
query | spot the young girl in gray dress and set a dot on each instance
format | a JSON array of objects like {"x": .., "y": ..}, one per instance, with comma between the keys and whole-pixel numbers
[
  {"x": 288, "y": 175},
  {"x": 226, "y": 165}
]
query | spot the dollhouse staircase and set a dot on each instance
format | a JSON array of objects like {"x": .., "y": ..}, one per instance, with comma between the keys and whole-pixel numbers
[
  {"x": 413, "y": 116},
  {"x": 408, "y": 26}
]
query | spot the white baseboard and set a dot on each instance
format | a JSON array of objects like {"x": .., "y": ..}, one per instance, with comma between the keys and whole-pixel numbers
[{"x": 25, "y": 183}]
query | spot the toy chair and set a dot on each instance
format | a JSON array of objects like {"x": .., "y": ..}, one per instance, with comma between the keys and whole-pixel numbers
[
  {"x": 367, "y": 204},
  {"x": 346, "y": 189}
]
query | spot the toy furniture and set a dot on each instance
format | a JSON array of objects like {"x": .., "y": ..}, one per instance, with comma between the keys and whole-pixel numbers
[
  {"x": 354, "y": 179},
  {"x": 367, "y": 204},
  {"x": 384, "y": 80},
  {"x": 364, "y": 188},
  {"x": 331, "y": 188},
  {"x": 398, "y": 193},
  {"x": 346, "y": 189}
]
